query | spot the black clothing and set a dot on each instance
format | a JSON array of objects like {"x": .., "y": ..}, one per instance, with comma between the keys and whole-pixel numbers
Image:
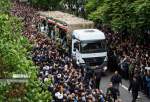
[
  {"x": 97, "y": 74},
  {"x": 112, "y": 92},
  {"x": 134, "y": 86},
  {"x": 116, "y": 79},
  {"x": 134, "y": 95}
]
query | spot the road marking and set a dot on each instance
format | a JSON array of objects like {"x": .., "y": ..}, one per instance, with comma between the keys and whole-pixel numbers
[{"x": 123, "y": 86}]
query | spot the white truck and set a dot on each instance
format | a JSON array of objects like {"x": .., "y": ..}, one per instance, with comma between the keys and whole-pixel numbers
[{"x": 88, "y": 45}]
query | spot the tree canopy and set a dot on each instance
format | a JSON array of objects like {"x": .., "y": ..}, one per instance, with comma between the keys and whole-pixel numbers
[
  {"x": 14, "y": 48},
  {"x": 130, "y": 16},
  {"x": 46, "y": 4}
]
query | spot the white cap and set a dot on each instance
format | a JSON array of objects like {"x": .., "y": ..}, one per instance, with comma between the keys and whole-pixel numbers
[
  {"x": 58, "y": 75},
  {"x": 46, "y": 79},
  {"x": 56, "y": 94},
  {"x": 59, "y": 95},
  {"x": 46, "y": 73}
]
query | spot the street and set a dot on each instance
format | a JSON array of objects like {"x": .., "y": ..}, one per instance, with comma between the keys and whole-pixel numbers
[{"x": 125, "y": 95}]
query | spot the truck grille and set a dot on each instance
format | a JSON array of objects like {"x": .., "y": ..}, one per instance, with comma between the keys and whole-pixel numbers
[{"x": 94, "y": 61}]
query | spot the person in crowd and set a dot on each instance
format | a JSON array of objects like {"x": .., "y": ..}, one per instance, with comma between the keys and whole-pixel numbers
[
  {"x": 116, "y": 81},
  {"x": 148, "y": 83},
  {"x": 131, "y": 69},
  {"x": 138, "y": 76},
  {"x": 134, "y": 86},
  {"x": 97, "y": 75},
  {"x": 124, "y": 66},
  {"x": 111, "y": 93},
  {"x": 145, "y": 83}
]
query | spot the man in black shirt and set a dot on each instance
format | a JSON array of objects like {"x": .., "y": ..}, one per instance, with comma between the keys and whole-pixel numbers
[
  {"x": 97, "y": 74},
  {"x": 116, "y": 80},
  {"x": 134, "y": 87},
  {"x": 111, "y": 93}
]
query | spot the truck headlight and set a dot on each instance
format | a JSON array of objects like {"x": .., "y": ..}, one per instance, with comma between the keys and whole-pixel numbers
[
  {"x": 105, "y": 68},
  {"x": 77, "y": 62}
]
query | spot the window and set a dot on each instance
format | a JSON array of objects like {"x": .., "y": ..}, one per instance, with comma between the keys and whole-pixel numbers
[{"x": 93, "y": 46}]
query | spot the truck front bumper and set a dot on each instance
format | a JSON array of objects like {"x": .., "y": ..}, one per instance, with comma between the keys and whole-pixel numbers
[{"x": 103, "y": 67}]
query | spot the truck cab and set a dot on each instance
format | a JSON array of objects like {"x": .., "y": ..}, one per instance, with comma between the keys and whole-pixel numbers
[{"x": 89, "y": 48}]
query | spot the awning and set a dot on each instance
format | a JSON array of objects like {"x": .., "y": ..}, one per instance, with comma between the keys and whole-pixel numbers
[
  {"x": 42, "y": 17},
  {"x": 62, "y": 26},
  {"x": 51, "y": 21}
]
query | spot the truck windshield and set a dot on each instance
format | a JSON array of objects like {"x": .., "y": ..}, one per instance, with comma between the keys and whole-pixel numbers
[{"x": 93, "y": 46}]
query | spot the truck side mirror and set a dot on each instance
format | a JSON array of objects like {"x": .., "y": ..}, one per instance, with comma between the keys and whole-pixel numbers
[{"x": 73, "y": 37}]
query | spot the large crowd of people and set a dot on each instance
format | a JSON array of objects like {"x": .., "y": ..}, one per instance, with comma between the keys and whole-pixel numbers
[
  {"x": 70, "y": 83},
  {"x": 130, "y": 57}
]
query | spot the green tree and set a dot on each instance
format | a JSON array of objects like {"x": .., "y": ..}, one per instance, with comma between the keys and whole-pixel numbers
[
  {"x": 14, "y": 50},
  {"x": 125, "y": 16},
  {"x": 5, "y": 6},
  {"x": 46, "y": 4},
  {"x": 92, "y": 5}
]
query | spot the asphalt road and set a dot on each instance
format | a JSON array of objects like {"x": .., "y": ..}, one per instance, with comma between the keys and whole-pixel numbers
[{"x": 125, "y": 95}]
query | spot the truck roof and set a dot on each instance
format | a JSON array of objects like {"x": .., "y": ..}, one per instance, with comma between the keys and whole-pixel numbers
[
  {"x": 69, "y": 19},
  {"x": 88, "y": 34}
]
